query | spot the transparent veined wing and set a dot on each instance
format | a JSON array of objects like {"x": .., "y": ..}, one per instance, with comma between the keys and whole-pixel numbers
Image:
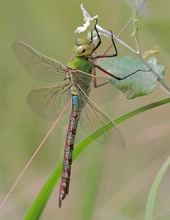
[
  {"x": 100, "y": 89},
  {"x": 37, "y": 65},
  {"x": 92, "y": 118},
  {"x": 48, "y": 70},
  {"x": 49, "y": 102},
  {"x": 103, "y": 92}
]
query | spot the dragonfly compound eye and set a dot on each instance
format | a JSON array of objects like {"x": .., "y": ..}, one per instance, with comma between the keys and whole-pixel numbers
[{"x": 83, "y": 50}]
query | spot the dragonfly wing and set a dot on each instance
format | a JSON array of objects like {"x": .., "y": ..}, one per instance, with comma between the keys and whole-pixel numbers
[
  {"x": 100, "y": 89},
  {"x": 37, "y": 65},
  {"x": 49, "y": 102},
  {"x": 103, "y": 91},
  {"x": 93, "y": 118}
]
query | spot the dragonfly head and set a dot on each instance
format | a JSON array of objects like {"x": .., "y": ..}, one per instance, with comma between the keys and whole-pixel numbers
[{"x": 83, "y": 47}]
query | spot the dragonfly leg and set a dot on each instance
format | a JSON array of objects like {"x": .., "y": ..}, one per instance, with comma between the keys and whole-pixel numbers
[
  {"x": 99, "y": 38},
  {"x": 103, "y": 56},
  {"x": 108, "y": 55},
  {"x": 120, "y": 78},
  {"x": 96, "y": 85}
]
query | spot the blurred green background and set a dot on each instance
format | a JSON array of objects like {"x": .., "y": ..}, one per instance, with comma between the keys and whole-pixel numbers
[{"x": 122, "y": 179}]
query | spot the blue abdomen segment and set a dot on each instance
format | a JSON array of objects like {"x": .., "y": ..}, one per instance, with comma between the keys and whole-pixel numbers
[{"x": 75, "y": 100}]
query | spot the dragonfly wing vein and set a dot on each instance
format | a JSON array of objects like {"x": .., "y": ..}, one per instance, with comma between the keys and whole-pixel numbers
[
  {"x": 37, "y": 65},
  {"x": 49, "y": 102},
  {"x": 92, "y": 118}
]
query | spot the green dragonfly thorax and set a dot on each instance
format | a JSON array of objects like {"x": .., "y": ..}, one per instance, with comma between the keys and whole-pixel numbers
[
  {"x": 81, "y": 63},
  {"x": 82, "y": 66}
]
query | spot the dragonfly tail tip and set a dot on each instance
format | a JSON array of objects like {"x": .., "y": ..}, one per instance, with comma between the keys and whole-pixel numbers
[{"x": 59, "y": 202}]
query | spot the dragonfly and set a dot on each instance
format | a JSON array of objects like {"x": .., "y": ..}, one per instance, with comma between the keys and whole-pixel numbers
[{"x": 76, "y": 81}]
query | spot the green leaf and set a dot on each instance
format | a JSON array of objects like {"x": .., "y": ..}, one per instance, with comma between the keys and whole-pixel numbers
[
  {"x": 140, "y": 83},
  {"x": 39, "y": 204}
]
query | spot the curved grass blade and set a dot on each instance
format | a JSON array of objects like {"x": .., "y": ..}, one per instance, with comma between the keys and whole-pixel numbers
[
  {"x": 39, "y": 204},
  {"x": 154, "y": 190}
]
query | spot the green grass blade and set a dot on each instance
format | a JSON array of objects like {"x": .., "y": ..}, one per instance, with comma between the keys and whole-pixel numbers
[
  {"x": 37, "y": 207},
  {"x": 154, "y": 189}
]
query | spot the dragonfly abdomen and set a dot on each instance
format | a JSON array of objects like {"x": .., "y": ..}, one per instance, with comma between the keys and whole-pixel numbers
[{"x": 69, "y": 146}]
